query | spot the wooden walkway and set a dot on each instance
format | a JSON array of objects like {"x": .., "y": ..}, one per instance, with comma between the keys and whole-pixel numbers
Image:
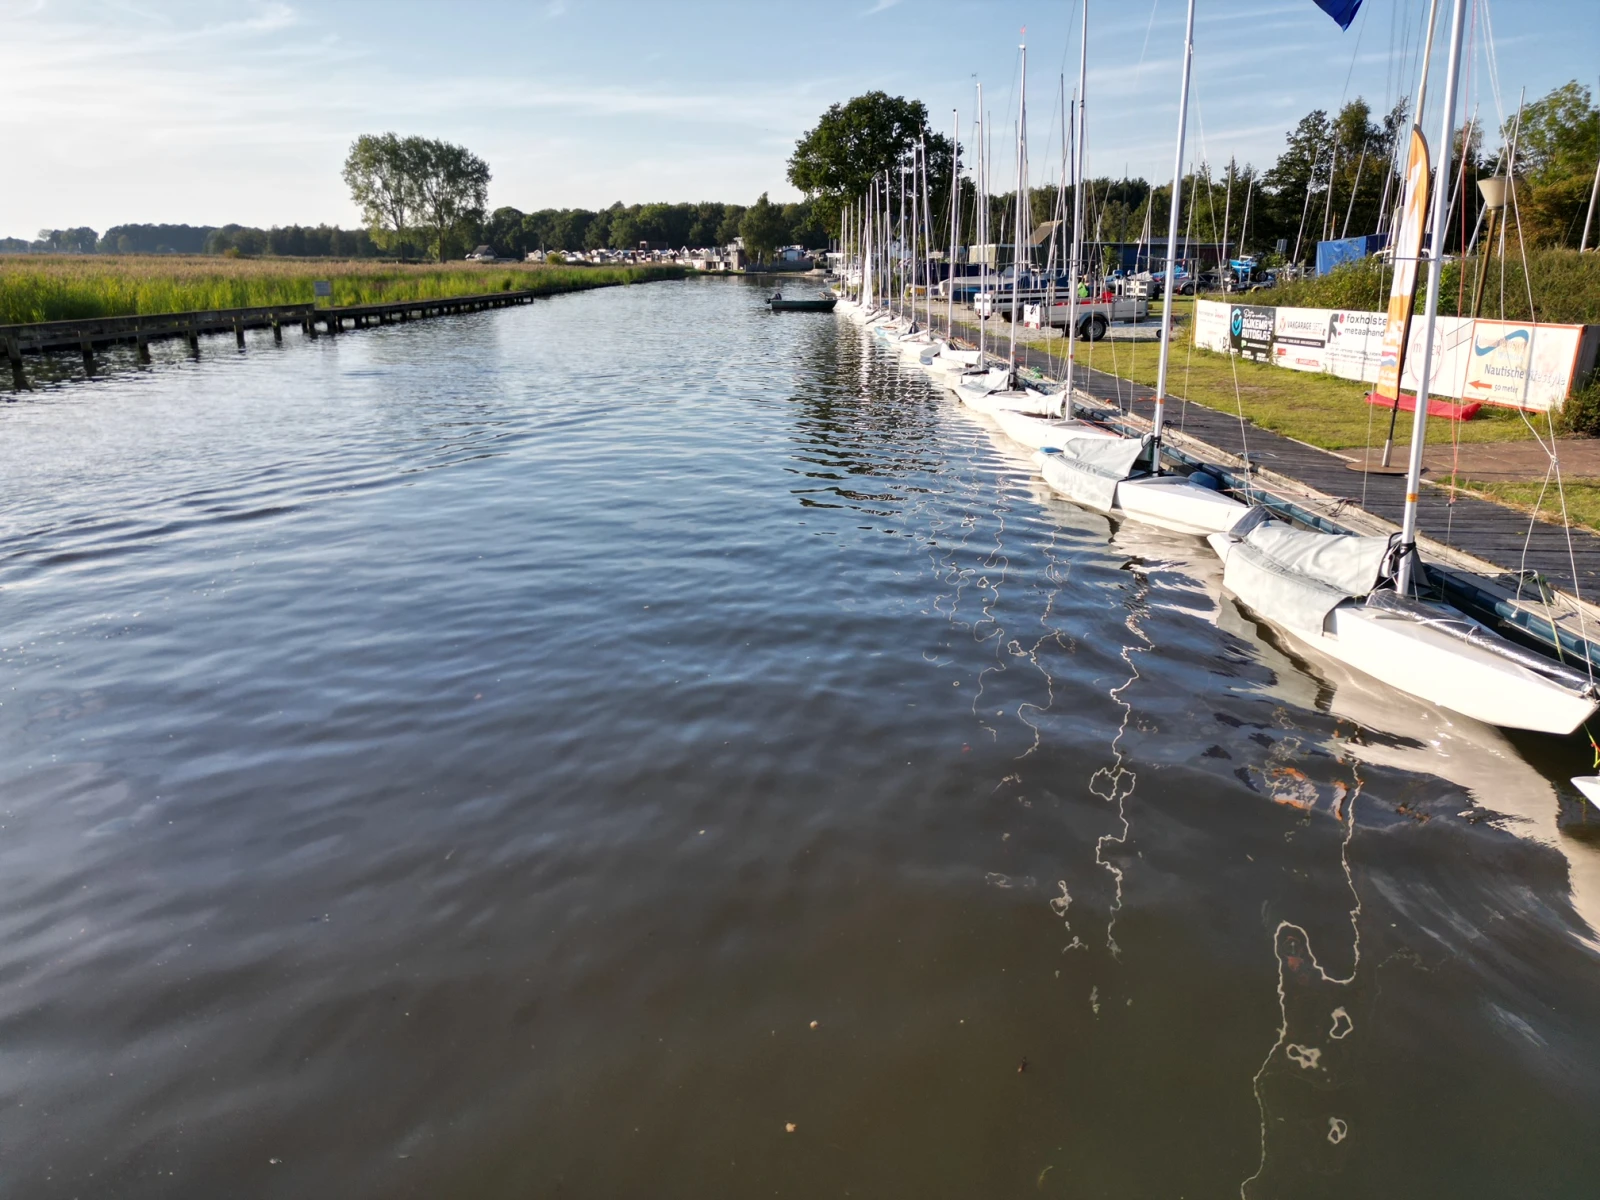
[{"x": 91, "y": 334}]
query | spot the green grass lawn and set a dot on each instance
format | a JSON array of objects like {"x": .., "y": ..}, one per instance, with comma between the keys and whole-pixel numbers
[
  {"x": 1322, "y": 410},
  {"x": 1582, "y": 497}
]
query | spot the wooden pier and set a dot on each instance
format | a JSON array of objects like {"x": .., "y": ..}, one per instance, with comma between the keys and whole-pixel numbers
[{"x": 90, "y": 334}]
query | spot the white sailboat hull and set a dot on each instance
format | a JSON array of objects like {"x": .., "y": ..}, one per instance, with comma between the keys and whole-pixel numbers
[
  {"x": 1441, "y": 669},
  {"x": 1037, "y": 432},
  {"x": 1172, "y": 502}
]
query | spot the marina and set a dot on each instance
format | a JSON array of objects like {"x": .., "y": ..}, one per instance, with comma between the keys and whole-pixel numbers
[{"x": 1050, "y": 646}]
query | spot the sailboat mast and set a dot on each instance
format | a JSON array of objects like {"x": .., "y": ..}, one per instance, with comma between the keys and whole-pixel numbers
[
  {"x": 1430, "y": 312},
  {"x": 1022, "y": 198},
  {"x": 981, "y": 220},
  {"x": 1172, "y": 238},
  {"x": 955, "y": 223},
  {"x": 1077, "y": 209}
]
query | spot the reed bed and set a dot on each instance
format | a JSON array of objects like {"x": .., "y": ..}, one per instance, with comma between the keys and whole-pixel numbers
[{"x": 71, "y": 287}]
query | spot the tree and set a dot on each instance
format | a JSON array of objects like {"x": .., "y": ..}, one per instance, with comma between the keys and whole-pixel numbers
[
  {"x": 1556, "y": 151},
  {"x": 834, "y": 162},
  {"x": 505, "y": 233},
  {"x": 381, "y": 171},
  {"x": 763, "y": 228},
  {"x": 452, "y": 190},
  {"x": 402, "y": 185}
]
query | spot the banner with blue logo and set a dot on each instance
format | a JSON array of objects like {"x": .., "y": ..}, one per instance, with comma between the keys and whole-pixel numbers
[
  {"x": 1250, "y": 331},
  {"x": 1342, "y": 11}
]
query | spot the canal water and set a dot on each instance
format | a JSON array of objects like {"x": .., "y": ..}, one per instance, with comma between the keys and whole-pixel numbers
[{"x": 639, "y": 745}]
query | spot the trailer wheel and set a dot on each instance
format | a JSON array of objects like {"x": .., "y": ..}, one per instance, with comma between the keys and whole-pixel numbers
[{"x": 1092, "y": 328}]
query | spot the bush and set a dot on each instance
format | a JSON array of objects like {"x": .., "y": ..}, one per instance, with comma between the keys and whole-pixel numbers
[
  {"x": 1581, "y": 413},
  {"x": 1566, "y": 288}
]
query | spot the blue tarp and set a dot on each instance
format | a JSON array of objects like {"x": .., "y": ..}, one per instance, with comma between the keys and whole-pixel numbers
[{"x": 1343, "y": 250}]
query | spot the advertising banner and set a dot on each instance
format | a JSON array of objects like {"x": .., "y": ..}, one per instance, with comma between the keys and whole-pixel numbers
[
  {"x": 1300, "y": 338},
  {"x": 1522, "y": 365},
  {"x": 1407, "y": 250},
  {"x": 1211, "y": 326},
  {"x": 1452, "y": 348},
  {"x": 1355, "y": 344},
  {"x": 1250, "y": 331}
]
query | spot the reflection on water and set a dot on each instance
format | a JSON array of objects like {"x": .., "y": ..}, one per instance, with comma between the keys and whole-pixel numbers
[{"x": 555, "y": 751}]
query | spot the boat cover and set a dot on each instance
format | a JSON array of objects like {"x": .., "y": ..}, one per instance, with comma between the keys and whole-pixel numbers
[
  {"x": 1298, "y": 576},
  {"x": 1087, "y": 470}
]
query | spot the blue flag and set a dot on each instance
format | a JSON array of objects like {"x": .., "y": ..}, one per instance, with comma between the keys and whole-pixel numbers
[{"x": 1342, "y": 11}]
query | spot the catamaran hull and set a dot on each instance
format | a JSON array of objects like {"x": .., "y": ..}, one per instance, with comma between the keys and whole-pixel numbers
[{"x": 1443, "y": 670}]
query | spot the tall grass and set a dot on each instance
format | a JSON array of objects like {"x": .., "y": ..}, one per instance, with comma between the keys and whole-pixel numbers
[
  {"x": 1566, "y": 288},
  {"x": 68, "y": 287}
]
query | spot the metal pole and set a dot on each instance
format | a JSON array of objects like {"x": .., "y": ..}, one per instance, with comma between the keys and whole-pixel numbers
[
  {"x": 1419, "y": 424},
  {"x": 1172, "y": 239},
  {"x": 1077, "y": 211}
]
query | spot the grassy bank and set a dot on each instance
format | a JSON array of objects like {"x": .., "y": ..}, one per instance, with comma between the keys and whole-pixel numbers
[
  {"x": 1582, "y": 498},
  {"x": 1566, "y": 288},
  {"x": 37, "y": 288},
  {"x": 1322, "y": 410}
]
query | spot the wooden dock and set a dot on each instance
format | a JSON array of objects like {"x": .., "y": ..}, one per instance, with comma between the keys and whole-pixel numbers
[
  {"x": 88, "y": 335},
  {"x": 1529, "y": 578}
]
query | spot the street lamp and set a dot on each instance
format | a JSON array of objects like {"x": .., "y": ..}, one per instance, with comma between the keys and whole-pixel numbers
[{"x": 1493, "y": 191}]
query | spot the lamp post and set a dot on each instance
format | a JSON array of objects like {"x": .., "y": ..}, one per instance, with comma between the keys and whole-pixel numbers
[{"x": 1493, "y": 191}]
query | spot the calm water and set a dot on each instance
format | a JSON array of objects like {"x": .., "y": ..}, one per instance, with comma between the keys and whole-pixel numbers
[{"x": 549, "y": 752}]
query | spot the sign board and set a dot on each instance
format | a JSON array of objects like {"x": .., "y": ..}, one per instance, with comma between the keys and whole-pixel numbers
[
  {"x": 1355, "y": 343},
  {"x": 1452, "y": 345},
  {"x": 1030, "y": 316},
  {"x": 322, "y": 289},
  {"x": 1250, "y": 331},
  {"x": 1522, "y": 365},
  {"x": 1300, "y": 338},
  {"x": 1211, "y": 326}
]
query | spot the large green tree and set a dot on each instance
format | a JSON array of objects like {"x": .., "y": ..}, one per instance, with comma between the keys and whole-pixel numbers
[
  {"x": 763, "y": 228},
  {"x": 453, "y": 191},
  {"x": 382, "y": 179},
  {"x": 834, "y": 162},
  {"x": 1557, "y": 146},
  {"x": 404, "y": 186}
]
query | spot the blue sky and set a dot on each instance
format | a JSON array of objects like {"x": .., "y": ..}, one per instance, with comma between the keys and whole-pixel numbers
[{"x": 133, "y": 110}]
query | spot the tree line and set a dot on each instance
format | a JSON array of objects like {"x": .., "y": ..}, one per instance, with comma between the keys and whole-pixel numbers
[{"x": 1335, "y": 177}]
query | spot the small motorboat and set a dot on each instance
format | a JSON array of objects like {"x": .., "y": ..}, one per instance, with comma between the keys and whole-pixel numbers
[{"x": 777, "y": 303}]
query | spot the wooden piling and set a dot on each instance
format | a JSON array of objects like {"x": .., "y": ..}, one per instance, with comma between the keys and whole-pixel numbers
[
  {"x": 277, "y": 330},
  {"x": 238, "y": 333},
  {"x": 88, "y": 355}
]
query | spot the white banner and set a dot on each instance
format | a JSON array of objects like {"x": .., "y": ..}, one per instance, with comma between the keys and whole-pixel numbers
[
  {"x": 1211, "y": 325},
  {"x": 1452, "y": 348},
  {"x": 1521, "y": 365},
  {"x": 1300, "y": 338},
  {"x": 1355, "y": 344},
  {"x": 1496, "y": 362}
]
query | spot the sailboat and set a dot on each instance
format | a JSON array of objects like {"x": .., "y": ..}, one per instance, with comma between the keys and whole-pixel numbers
[
  {"x": 1356, "y": 599},
  {"x": 1125, "y": 477},
  {"x": 1056, "y": 427}
]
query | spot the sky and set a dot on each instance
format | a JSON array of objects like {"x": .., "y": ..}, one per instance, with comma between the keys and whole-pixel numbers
[{"x": 123, "y": 111}]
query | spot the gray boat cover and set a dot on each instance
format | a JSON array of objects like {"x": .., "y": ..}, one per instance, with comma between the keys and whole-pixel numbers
[
  {"x": 1087, "y": 470},
  {"x": 1297, "y": 576}
]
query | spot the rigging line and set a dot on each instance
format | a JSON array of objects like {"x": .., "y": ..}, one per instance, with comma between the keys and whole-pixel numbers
[
  {"x": 1347, "y": 75},
  {"x": 1149, "y": 25}
]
